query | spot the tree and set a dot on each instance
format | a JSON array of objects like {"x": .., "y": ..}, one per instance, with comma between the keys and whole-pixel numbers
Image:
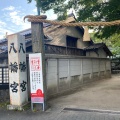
[
  {"x": 49, "y": 4},
  {"x": 113, "y": 42},
  {"x": 96, "y": 10},
  {"x": 87, "y": 10}
]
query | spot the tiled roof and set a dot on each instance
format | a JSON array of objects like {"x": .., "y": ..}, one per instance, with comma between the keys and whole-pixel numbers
[
  {"x": 98, "y": 46},
  {"x": 3, "y": 42},
  {"x": 95, "y": 46},
  {"x": 4, "y": 46}
]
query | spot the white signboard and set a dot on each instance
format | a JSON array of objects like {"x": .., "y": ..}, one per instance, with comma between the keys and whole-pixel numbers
[{"x": 36, "y": 78}]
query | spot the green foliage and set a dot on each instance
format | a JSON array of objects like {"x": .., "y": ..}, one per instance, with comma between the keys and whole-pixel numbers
[
  {"x": 45, "y": 5},
  {"x": 4, "y": 104},
  {"x": 113, "y": 42},
  {"x": 27, "y": 106},
  {"x": 62, "y": 16},
  {"x": 90, "y": 10},
  {"x": 86, "y": 10},
  {"x": 95, "y": 10}
]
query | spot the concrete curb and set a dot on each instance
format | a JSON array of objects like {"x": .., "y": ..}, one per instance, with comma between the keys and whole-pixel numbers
[{"x": 92, "y": 110}]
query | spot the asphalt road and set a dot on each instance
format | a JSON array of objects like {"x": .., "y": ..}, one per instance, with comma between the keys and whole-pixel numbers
[{"x": 87, "y": 103}]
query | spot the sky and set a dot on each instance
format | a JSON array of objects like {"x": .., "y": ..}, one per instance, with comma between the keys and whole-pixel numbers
[{"x": 12, "y": 13}]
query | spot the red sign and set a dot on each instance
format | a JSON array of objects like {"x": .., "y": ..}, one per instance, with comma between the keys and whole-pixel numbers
[
  {"x": 35, "y": 64},
  {"x": 38, "y": 96}
]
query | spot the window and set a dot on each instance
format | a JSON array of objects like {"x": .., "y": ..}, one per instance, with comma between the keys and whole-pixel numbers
[{"x": 71, "y": 41}]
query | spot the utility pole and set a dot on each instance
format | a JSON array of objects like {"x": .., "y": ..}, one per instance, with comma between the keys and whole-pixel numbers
[{"x": 38, "y": 10}]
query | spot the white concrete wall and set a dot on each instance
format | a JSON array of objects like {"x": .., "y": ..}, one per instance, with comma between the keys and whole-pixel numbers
[
  {"x": 66, "y": 73},
  {"x": 87, "y": 66}
]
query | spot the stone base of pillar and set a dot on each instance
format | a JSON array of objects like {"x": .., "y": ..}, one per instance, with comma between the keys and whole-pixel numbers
[{"x": 17, "y": 107}]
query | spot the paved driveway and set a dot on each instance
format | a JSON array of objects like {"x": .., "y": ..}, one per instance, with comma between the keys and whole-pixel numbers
[{"x": 102, "y": 94}]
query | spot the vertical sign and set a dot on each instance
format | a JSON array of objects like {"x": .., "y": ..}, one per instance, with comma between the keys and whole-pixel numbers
[
  {"x": 17, "y": 70},
  {"x": 36, "y": 79}
]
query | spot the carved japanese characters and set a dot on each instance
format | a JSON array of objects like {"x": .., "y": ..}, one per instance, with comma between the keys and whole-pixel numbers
[
  {"x": 21, "y": 48},
  {"x": 13, "y": 67},
  {"x": 14, "y": 87},
  {"x": 12, "y": 48},
  {"x": 22, "y": 66},
  {"x": 23, "y": 86}
]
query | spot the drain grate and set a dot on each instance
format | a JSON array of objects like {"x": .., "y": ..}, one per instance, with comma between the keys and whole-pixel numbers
[{"x": 92, "y": 110}]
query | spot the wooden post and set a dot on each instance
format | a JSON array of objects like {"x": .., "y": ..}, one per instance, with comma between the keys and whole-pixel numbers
[{"x": 38, "y": 47}]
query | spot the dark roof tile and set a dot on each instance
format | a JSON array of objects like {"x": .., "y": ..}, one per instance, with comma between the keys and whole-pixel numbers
[{"x": 98, "y": 46}]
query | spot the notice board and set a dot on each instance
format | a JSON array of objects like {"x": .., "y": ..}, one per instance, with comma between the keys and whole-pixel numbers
[{"x": 36, "y": 78}]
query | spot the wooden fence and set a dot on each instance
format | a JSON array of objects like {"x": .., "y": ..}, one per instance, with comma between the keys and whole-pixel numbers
[{"x": 61, "y": 50}]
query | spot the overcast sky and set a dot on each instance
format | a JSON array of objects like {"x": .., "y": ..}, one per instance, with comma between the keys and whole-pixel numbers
[{"x": 12, "y": 13}]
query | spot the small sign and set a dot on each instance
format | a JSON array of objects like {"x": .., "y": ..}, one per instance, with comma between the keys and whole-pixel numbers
[
  {"x": 35, "y": 63},
  {"x": 36, "y": 78}
]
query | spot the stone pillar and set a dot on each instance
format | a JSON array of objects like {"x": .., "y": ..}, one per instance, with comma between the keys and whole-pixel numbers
[{"x": 17, "y": 71}]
